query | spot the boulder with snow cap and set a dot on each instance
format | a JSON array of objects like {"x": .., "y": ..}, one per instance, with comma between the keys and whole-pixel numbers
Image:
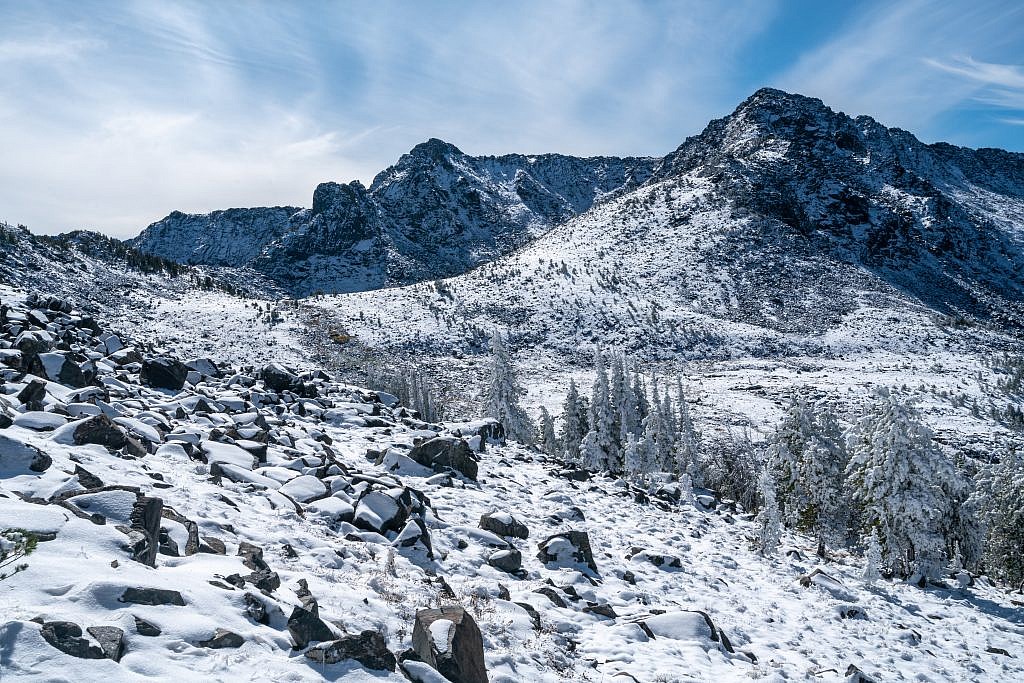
[
  {"x": 17, "y": 457},
  {"x": 567, "y": 548},
  {"x": 504, "y": 524},
  {"x": 277, "y": 377},
  {"x": 446, "y": 453},
  {"x": 102, "y": 431},
  {"x": 448, "y": 639}
]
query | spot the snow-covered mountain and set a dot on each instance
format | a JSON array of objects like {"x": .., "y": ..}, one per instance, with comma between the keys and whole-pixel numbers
[
  {"x": 437, "y": 212},
  {"x": 784, "y": 221}
]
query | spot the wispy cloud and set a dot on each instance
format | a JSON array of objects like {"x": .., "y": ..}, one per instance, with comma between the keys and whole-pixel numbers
[
  {"x": 155, "y": 106},
  {"x": 112, "y": 115},
  {"x": 903, "y": 62}
]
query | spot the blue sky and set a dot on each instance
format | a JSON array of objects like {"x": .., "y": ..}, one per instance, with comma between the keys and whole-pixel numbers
[{"x": 114, "y": 114}]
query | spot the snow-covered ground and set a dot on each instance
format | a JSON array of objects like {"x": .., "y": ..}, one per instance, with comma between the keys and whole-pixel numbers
[{"x": 637, "y": 617}]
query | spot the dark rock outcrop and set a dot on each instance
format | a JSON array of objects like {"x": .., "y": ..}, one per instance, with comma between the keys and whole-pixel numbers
[
  {"x": 460, "y": 658},
  {"x": 368, "y": 648}
]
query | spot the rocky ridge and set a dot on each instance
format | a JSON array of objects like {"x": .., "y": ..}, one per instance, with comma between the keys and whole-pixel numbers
[{"x": 436, "y": 213}]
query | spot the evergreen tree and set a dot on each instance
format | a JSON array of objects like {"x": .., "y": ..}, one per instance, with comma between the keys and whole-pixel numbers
[
  {"x": 643, "y": 406},
  {"x": 872, "y": 560},
  {"x": 687, "y": 449},
  {"x": 633, "y": 456},
  {"x": 808, "y": 459},
  {"x": 1001, "y": 499},
  {"x": 503, "y": 391},
  {"x": 618, "y": 396},
  {"x": 906, "y": 486},
  {"x": 655, "y": 439},
  {"x": 768, "y": 519},
  {"x": 626, "y": 405},
  {"x": 574, "y": 427},
  {"x": 599, "y": 449},
  {"x": 548, "y": 440}
]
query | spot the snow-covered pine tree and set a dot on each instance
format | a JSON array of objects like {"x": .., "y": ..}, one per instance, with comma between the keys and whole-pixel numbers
[
  {"x": 574, "y": 423},
  {"x": 618, "y": 397},
  {"x": 643, "y": 406},
  {"x": 823, "y": 510},
  {"x": 627, "y": 407},
  {"x": 784, "y": 454},
  {"x": 548, "y": 440},
  {"x": 768, "y": 519},
  {"x": 872, "y": 560},
  {"x": 634, "y": 459},
  {"x": 1001, "y": 501},
  {"x": 655, "y": 441},
  {"x": 906, "y": 486},
  {"x": 502, "y": 398},
  {"x": 808, "y": 459},
  {"x": 687, "y": 449},
  {"x": 598, "y": 450},
  {"x": 668, "y": 421}
]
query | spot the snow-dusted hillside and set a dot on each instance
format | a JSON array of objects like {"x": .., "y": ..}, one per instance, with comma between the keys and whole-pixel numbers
[
  {"x": 437, "y": 212},
  {"x": 221, "y": 524}
]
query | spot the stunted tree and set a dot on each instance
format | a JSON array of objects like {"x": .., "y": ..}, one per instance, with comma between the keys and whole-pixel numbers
[
  {"x": 503, "y": 393},
  {"x": 768, "y": 519},
  {"x": 906, "y": 486}
]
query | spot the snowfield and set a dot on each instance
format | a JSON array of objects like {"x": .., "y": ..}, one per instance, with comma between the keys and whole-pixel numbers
[{"x": 679, "y": 592}]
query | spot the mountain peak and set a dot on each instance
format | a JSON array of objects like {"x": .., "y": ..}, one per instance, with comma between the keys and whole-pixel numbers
[
  {"x": 435, "y": 149},
  {"x": 775, "y": 101}
]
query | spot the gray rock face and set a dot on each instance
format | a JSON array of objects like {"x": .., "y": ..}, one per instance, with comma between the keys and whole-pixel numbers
[
  {"x": 146, "y": 628},
  {"x": 33, "y": 393},
  {"x": 111, "y": 640},
  {"x": 368, "y": 648},
  {"x": 145, "y": 522},
  {"x": 222, "y": 638},
  {"x": 504, "y": 524},
  {"x": 100, "y": 430},
  {"x": 460, "y": 657},
  {"x": 306, "y": 627}
]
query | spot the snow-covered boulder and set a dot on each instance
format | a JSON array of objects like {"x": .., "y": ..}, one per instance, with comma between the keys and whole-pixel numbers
[{"x": 566, "y": 549}]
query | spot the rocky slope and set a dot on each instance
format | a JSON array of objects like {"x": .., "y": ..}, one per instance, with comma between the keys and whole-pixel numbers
[
  {"x": 199, "y": 520},
  {"x": 437, "y": 212}
]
